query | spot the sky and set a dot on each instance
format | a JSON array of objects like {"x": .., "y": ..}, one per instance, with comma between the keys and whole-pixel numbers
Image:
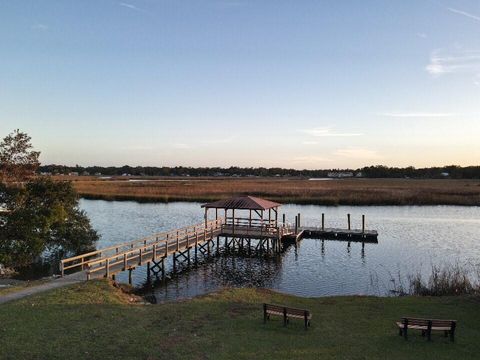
[{"x": 298, "y": 84}]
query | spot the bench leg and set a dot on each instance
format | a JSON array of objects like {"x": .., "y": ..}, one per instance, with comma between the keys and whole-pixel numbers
[
  {"x": 400, "y": 333},
  {"x": 429, "y": 335},
  {"x": 445, "y": 334},
  {"x": 452, "y": 335}
]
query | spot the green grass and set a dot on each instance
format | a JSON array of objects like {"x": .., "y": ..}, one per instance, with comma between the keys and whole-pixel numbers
[{"x": 96, "y": 321}]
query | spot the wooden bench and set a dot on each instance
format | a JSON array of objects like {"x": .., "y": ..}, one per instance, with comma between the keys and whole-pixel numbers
[
  {"x": 287, "y": 313},
  {"x": 427, "y": 326}
]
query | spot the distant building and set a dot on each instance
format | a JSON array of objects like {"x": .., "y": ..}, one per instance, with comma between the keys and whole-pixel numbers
[
  {"x": 73, "y": 173},
  {"x": 340, "y": 174},
  {"x": 445, "y": 174}
]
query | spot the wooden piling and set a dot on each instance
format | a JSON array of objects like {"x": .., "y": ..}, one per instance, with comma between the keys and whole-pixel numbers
[
  {"x": 363, "y": 223},
  {"x": 323, "y": 221},
  {"x": 130, "y": 276},
  {"x": 348, "y": 219}
]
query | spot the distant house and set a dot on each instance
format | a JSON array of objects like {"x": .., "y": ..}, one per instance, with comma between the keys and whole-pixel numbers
[
  {"x": 445, "y": 174},
  {"x": 340, "y": 174},
  {"x": 73, "y": 173}
]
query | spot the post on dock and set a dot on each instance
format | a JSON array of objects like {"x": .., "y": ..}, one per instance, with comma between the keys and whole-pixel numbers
[
  {"x": 296, "y": 224},
  {"x": 298, "y": 220},
  {"x": 348, "y": 218},
  {"x": 323, "y": 222},
  {"x": 283, "y": 219},
  {"x": 363, "y": 223},
  {"x": 130, "y": 276},
  {"x": 148, "y": 272}
]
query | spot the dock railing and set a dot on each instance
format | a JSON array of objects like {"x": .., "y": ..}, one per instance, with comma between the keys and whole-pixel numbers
[{"x": 149, "y": 244}]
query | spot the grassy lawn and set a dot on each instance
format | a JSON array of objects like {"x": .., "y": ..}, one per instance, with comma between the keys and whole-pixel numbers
[{"x": 96, "y": 321}]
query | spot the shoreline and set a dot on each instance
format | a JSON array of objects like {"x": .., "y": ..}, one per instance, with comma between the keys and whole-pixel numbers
[{"x": 163, "y": 200}]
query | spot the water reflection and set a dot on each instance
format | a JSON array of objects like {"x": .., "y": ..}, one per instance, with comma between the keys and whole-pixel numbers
[{"x": 410, "y": 239}]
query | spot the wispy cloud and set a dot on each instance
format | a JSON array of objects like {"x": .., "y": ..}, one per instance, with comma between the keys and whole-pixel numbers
[
  {"x": 358, "y": 153},
  {"x": 181, "y": 146},
  {"x": 39, "y": 27},
  {"x": 311, "y": 160},
  {"x": 217, "y": 141},
  {"x": 464, "y": 13},
  {"x": 326, "y": 131},
  {"x": 456, "y": 62},
  {"x": 130, "y": 6},
  {"x": 417, "y": 114},
  {"x": 309, "y": 142},
  {"x": 422, "y": 35}
]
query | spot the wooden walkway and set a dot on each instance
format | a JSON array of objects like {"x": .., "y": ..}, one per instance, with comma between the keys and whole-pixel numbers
[{"x": 127, "y": 256}]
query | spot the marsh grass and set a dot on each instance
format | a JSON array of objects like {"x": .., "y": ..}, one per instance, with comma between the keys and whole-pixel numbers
[
  {"x": 299, "y": 191},
  {"x": 445, "y": 281}
]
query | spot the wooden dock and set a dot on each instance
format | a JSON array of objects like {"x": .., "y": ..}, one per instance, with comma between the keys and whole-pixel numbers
[{"x": 262, "y": 236}]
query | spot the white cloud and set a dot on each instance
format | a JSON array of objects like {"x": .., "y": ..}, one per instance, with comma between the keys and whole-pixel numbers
[
  {"x": 422, "y": 35},
  {"x": 464, "y": 13},
  {"x": 130, "y": 6},
  {"x": 462, "y": 62},
  {"x": 181, "y": 146},
  {"x": 310, "y": 159},
  {"x": 417, "y": 114},
  {"x": 40, "y": 27},
  {"x": 326, "y": 131},
  {"x": 357, "y": 153},
  {"x": 217, "y": 141},
  {"x": 309, "y": 142}
]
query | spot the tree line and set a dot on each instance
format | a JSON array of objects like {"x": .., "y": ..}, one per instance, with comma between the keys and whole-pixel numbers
[{"x": 378, "y": 171}]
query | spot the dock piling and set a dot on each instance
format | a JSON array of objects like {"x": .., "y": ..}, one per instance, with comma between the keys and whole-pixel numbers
[
  {"x": 348, "y": 218},
  {"x": 363, "y": 223}
]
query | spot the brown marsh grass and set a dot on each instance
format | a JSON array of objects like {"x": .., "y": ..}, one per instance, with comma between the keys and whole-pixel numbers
[{"x": 300, "y": 191}]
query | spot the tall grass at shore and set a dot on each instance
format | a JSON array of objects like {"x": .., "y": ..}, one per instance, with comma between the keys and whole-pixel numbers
[{"x": 446, "y": 280}]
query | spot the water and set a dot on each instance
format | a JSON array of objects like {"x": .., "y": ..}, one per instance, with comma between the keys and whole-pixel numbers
[{"x": 411, "y": 239}]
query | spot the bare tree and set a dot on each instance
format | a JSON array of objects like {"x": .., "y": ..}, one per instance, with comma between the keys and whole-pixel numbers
[{"x": 18, "y": 161}]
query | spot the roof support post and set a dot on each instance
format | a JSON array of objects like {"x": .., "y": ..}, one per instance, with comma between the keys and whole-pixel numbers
[{"x": 206, "y": 217}]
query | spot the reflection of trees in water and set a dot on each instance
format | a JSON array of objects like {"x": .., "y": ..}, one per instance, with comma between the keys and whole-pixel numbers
[
  {"x": 233, "y": 270},
  {"x": 223, "y": 270}
]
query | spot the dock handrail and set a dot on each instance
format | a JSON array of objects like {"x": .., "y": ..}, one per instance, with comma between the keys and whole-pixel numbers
[{"x": 83, "y": 260}]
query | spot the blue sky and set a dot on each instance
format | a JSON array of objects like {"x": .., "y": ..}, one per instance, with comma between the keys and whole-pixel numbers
[{"x": 303, "y": 84}]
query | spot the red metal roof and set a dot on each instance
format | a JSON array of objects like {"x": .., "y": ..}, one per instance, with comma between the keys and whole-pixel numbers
[{"x": 243, "y": 202}]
